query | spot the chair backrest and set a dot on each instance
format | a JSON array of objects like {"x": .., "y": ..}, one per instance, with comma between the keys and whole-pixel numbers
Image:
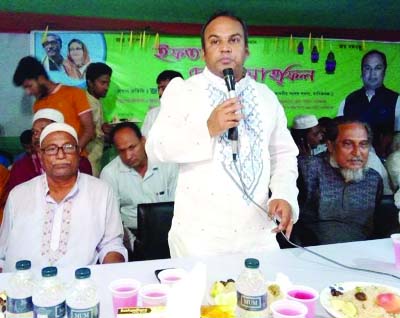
[{"x": 154, "y": 223}]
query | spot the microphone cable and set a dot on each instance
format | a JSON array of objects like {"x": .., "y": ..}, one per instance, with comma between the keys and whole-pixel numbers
[{"x": 302, "y": 247}]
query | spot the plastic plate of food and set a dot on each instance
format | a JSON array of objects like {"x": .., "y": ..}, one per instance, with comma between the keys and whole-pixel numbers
[{"x": 361, "y": 299}]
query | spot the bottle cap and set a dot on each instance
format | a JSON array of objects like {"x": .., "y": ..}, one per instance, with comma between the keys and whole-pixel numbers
[
  {"x": 49, "y": 271},
  {"x": 23, "y": 265},
  {"x": 251, "y": 263},
  {"x": 82, "y": 273}
]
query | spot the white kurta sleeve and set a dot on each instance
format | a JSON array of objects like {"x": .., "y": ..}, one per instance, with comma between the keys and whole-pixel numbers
[
  {"x": 113, "y": 234},
  {"x": 180, "y": 133},
  {"x": 109, "y": 176},
  {"x": 283, "y": 154}
]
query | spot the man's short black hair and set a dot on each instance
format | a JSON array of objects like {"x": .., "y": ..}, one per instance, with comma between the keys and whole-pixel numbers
[
  {"x": 28, "y": 68},
  {"x": 228, "y": 14},
  {"x": 126, "y": 124},
  {"x": 95, "y": 70},
  {"x": 167, "y": 75},
  {"x": 381, "y": 54},
  {"x": 26, "y": 137}
]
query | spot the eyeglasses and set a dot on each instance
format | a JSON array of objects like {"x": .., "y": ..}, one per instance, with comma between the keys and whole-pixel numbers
[{"x": 52, "y": 150}]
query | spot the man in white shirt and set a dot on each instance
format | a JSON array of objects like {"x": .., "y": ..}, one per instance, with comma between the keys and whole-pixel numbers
[
  {"x": 162, "y": 82},
  {"x": 63, "y": 217},
  {"x": 134, "y": 178},
  {"x": 218, "y": 210}
]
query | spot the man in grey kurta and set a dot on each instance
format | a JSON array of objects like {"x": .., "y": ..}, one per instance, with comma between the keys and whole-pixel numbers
[{"x": 337, "y": 193}]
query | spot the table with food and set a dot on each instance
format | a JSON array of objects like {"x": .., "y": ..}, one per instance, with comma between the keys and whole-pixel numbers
[{"x": 289, "y": 274}]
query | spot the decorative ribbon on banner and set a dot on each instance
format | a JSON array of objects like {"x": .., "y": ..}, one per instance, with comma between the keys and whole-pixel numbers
[
  {"x": 44, "y": 36},
  {"x": 363, "y": 47},
  {"x": 131, "y": 39},
  {"x": 322, "y": 43},
  {"x": 121, "y": 39},
  {"x": 144, "y": 39},
  {"x": 291, "y": 43},
  {"x": 156, "y": 42},
  {"x": 309, "y": 41}
]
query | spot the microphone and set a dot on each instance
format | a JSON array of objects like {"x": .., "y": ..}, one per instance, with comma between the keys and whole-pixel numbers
[{"x": 233, "y": 134}]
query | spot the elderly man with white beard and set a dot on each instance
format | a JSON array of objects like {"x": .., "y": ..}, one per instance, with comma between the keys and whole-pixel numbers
[{"x": 338, "y": 194}]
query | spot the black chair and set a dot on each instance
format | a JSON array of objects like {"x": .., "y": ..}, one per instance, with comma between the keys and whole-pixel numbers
[
  {"x": 386, "y": 218},
  {"x": 154, "y": 223}
]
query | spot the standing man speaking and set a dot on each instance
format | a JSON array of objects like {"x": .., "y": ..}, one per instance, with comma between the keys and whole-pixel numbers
[{"x": 218, "y": 200}]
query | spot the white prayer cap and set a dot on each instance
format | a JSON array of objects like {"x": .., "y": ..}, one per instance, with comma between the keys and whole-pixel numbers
[
  {"x": 304, "y": 121},
  {"x": 54, "y": 127},
  {"x": 50, "y": 114}
]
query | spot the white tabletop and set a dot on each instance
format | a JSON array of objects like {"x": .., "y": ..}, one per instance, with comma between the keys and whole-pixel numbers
[{"x": 301, "y": 267}]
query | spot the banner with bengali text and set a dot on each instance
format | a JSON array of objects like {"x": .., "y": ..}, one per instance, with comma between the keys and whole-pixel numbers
[{"x": 309, "y": 75}]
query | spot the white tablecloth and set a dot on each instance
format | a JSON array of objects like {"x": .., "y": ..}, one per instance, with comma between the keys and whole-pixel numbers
[{"x": 301, "y": 267}]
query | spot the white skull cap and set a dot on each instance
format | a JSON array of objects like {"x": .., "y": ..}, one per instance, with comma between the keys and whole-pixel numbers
[
  {"x": 305, "y": 121},
  {"x": 54, "y": 127},
  {"x": 50, "y": 114}
]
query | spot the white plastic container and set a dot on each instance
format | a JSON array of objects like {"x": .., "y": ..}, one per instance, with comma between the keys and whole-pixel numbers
[
  {"x": 82, "y": 298},
  {"x": 251, "y": 292},
  {"x": 19, "y": 291},
  {"x": 49, "y": 295}
]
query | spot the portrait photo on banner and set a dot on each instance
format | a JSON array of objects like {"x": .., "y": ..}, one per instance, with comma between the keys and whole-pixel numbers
[{"x": 66, "y": 55}]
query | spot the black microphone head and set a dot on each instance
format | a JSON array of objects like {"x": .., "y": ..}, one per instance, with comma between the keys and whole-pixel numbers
[
  {"x": 229, "y": 79},
  {"x": 228, "y": 72}
]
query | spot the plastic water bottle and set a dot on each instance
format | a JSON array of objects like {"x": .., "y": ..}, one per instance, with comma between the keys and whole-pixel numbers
[
  {"x": 251, "y": 291},
  {"x": 19, "y": 292},
  {"x": 49, "y": 295},
  {"x": 82, "y": 298}
]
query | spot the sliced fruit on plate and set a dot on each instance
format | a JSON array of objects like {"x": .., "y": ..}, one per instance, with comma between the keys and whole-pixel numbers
[
  {"x": 347, "y": 308},
  {"x": 390, "y": 302}
]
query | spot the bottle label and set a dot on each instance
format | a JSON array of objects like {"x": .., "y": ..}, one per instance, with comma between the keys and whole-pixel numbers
[
  {"x": 91, "y": 312},
  {"x": 57, "y": 311},
  {"x": 252, "y": 303},
  {"x": 19, "y": 306}
]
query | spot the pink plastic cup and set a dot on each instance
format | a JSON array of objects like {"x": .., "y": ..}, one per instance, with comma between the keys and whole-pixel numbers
[
  {"x": 154, "y": 295},
  {"x": 171, "y": 276},
  {"x": 305, "y": 295},
  {"x": 396, "y": 246},
  {"x": 124, "y": 293},
  {"x": 285, "y": 308}
]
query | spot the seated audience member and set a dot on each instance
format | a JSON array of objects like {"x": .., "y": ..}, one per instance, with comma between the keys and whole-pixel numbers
[
  {"x": 25, "y": 140},
  {"x": 29, "y": 165},
  {"x": 393, "y": 167},
  {"x": 134, "y": 179},
  {"x": 4, "y": 161},
  {"x": 324, "y": 124},
  {"x": 62, "y": 217},
  {"x": 307, "y": 135},
  {"x": 163, "y": 80},
  {"x": 338, "y": 194},
  {"x": 4, "y": 174}
]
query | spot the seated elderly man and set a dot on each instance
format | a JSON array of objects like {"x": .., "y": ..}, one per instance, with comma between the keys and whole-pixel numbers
[
  {"x": 62, "y": 217},
  {"x": 134, "y": 179},
  {"x": 29, "y": 166},
  {"x": 337, "y": 192},
  {"x": 308, "y": 135}
]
